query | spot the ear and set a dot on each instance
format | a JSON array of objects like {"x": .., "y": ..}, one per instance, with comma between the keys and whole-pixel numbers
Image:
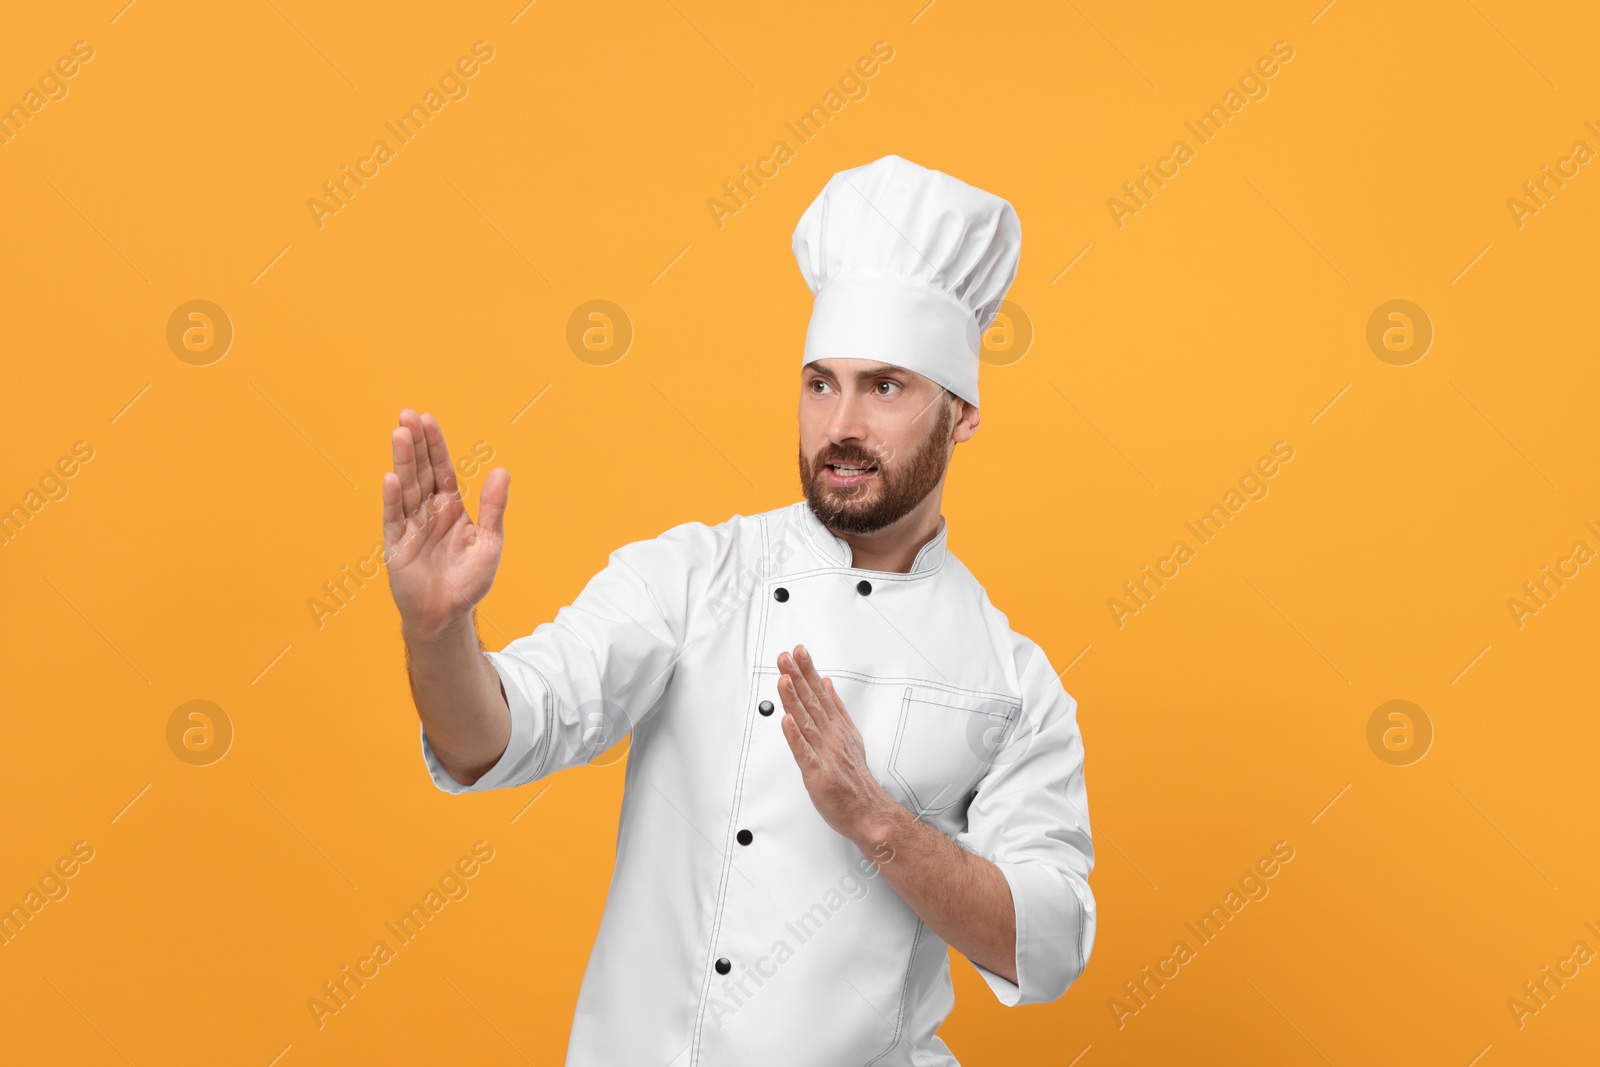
[{"x": 966, "y": 421}]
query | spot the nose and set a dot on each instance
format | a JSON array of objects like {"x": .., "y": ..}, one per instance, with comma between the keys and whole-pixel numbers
[{"x": 847, "y": 420}]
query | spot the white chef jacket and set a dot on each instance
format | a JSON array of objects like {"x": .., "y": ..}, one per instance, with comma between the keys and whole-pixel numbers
[{"x": 739, "y": 928}]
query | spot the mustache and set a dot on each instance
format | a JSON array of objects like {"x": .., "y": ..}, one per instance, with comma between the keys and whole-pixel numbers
[{"x": 850, "y": 457}]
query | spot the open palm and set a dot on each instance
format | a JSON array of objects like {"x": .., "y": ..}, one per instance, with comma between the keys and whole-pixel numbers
[{"x": 440, "y": 562}]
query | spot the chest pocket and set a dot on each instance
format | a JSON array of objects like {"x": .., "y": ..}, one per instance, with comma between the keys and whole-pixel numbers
[{"x": 945, "y": 742}]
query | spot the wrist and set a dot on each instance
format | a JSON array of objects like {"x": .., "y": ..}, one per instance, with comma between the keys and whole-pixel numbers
[
  {"x": 877, "y": 828},
  {"x": 450, "y": 631}
]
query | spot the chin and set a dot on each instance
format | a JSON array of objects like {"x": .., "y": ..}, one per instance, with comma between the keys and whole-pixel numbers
[{"x": 850, "y": 513}]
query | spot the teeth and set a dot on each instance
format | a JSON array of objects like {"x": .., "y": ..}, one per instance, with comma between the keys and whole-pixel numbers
[{"x": 848, "y": 471}]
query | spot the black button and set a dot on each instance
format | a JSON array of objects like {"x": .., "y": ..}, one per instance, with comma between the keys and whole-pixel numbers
[
  {"x": 724, "y": 966},
  {"x": 863, "y": 587},
  {"x": 765, "y": 707},
  {"x": 745, "y": 837},
  {"x": 780, "y": 594}
]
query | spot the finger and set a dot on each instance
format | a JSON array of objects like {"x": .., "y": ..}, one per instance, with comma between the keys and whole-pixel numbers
[
  {"x": 817, "y": 715},
  {"x": 394, "y": 519},
  {"x": 405, "y": 469},
  {"x": 804, "y": 754},
  {"x": 813, "y": 680},
  {"x": 837, "y": 705},
  {"x": 419, "y": 446},
  {"x": 792, "y": 704},
  {"x": 444, "y": 475},
  {"x": 810, "y": 694},
  {"x": 492, "y": 504}
]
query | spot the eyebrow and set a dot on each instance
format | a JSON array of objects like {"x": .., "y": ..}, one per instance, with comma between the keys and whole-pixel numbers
[{"x": 881, "y": 370}]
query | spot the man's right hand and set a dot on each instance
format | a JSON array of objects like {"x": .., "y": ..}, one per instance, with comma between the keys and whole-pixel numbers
[{"x": 440, "y": 562}]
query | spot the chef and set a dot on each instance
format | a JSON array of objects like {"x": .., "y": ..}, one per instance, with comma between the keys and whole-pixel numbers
[{"x": 843, "y": 761}]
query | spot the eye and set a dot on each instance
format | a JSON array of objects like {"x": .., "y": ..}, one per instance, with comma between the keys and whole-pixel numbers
[
  {"x": 885, "y": 381},
  {"x": 818, "y": 384}
]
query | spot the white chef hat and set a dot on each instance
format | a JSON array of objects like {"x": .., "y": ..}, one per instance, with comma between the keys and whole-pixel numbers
[{"x": 908, "y": 266}]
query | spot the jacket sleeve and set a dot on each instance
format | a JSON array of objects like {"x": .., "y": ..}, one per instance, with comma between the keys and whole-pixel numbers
[
  {"x": 1030, "y": 817},
  {"x": 576, "y": 686}
]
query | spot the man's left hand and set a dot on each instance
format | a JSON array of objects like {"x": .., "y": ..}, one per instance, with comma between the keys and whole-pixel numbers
[{"x": 828, "y": 748}]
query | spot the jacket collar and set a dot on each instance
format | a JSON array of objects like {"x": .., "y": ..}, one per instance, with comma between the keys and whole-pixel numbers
[{"x": 837, "y": 552}]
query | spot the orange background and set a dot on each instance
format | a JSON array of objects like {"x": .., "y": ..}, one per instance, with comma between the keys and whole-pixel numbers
[{"x": 1229, "y": 313}]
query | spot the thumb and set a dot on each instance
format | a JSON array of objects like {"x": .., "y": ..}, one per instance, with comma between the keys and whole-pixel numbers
[{"x": 492, "y": 503}]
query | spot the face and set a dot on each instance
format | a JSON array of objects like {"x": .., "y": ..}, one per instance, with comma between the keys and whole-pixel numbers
[{"x": 875, "y": 440}]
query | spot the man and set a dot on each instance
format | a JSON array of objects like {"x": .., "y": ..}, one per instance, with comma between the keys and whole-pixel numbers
[{"x": 843, "y": 759}]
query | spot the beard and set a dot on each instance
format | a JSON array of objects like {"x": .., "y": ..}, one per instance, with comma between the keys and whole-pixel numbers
[{"x": 886, "y": 497}]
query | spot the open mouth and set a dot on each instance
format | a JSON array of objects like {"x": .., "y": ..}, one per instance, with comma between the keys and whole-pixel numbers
[{"x": 846, "y": 474}]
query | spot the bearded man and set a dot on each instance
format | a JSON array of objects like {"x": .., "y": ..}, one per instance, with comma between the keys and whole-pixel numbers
[{"x": 843, "y": 760}]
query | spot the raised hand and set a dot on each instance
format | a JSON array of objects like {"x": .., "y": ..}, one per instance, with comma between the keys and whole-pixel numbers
[
  {"x": 828, "y": 748},
  {"x": 440, "y": 562}
]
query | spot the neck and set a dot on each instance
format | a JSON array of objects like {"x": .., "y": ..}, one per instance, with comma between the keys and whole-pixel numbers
[{"x": 894, "y": 548}]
